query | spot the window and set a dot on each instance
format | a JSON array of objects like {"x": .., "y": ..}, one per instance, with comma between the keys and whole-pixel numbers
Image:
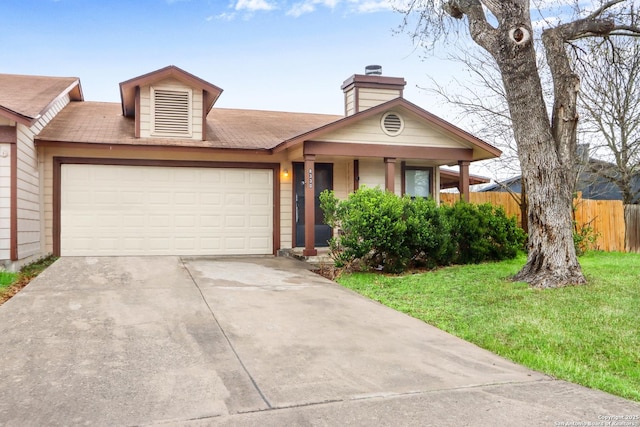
[
  {"x": 417, "y": 181},
  {"x": 171, "y": 112}
]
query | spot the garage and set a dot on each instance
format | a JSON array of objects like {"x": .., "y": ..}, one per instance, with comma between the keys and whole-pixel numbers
[{"x": 121, "y": 209}]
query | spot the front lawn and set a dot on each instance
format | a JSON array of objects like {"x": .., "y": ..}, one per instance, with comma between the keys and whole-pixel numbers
[{"x": 587, "y": 334}]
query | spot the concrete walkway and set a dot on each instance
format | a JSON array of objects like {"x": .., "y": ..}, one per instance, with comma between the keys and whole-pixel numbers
[{"x": 255, "y": 341}]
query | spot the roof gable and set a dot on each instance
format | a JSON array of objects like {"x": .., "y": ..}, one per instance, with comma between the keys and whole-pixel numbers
[
  {"x": 481, "y": 149},
  {"x": 128, "y": 88},
  {"x": 24, "y": 99}
]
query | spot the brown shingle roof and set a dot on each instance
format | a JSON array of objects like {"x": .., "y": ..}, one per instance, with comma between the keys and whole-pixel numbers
[
  {"x": 25, "y": 98},
  {"x": 103, "y": 123}
]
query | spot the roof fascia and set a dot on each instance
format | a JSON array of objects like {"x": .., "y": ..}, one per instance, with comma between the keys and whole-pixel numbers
[{"x": 151, "y": 147}]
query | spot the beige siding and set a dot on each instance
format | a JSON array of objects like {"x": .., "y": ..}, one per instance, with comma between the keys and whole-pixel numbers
[
  {"x": 5, "y": 201},
  {"x": 286, "y": 207},
  {"x": 5, "y": 122},
  {"x": 170, "y": 84},
  {"x": 350, "y": 102},
  {"x": 415, "y": 133},
  {"x": 372, "y": 97},
  {"x": 29, "y": 184},
  {"x": 371, "y": 173},
  {"x": 49, "y": 153}
]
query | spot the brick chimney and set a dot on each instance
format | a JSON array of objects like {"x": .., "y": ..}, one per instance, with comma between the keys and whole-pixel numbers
[{"x": 363, "y": 91}]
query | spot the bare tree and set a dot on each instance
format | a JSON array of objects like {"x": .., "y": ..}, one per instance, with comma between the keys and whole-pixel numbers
[
  {"x": 610, "y": 98},
  {"x": 546, "y": 145}
]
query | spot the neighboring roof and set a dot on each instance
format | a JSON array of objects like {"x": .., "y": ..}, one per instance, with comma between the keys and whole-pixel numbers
[
  {"x": 502, "y": 184},
  {"x": 24, "y": 99},
  {"x": 481, "y": 149},
  {"x": 128, "y": 88},
  {"x": 450, "y": 179},
  {"x": 103, "y": 123}
]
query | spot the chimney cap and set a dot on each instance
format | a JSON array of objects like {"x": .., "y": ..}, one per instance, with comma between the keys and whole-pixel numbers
[{"x": 375, "y": 70}]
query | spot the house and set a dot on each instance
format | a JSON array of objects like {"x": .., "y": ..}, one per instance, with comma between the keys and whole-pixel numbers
[{"x": 165, "y": 172}]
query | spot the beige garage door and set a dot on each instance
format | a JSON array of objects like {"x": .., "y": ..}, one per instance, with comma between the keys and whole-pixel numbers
[{"x": 145, "y": 210}]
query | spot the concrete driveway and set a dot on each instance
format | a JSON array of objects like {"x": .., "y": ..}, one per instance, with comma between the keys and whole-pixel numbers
[{"x": 253, "y": 341}]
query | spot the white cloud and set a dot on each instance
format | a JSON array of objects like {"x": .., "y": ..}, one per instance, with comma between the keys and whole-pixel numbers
[
  {"x": 254, "y": 5},
  {"x": 371, "y": 6},
  {"x": 309, "y": 6},
  {"x": 299, "y": 9},
  {"x": 224, "y": 16}
]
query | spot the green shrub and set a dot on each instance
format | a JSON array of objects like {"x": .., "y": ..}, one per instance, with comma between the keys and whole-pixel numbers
[
  {"x": 482, "y": 233},
  {"x": 585, "y": 238},
  {"x": 373, "y": 228},
  {"x": 380, "y": 229},
  {"x": 428, "y": 233}
]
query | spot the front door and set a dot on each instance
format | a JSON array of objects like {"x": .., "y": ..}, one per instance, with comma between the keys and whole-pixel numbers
[{"x": 323, "y": 181}]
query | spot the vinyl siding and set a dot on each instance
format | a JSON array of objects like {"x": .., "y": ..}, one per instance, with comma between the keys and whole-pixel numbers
[
  {"x": 28, "y": 183},
  {"x": 372, "y": 97},
  {"x": 170, "y": 84},
  {"x": 5, "y": 201},
  {"x": 415, "y": 133}
]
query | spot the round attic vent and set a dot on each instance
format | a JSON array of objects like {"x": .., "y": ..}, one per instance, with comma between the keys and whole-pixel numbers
[{"x": 392, "y": 124}]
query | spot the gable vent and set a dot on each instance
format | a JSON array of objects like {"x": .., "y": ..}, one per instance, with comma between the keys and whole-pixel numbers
[
  {"x": 392, "y": 124},
  {"x": 172, "y": 112}
]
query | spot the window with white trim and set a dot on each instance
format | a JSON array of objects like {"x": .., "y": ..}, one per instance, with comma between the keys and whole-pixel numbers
[{"x": 171, "y": 114}]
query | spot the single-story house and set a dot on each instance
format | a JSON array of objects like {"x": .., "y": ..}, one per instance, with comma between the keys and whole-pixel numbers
[{"x": 165, "y": 172}]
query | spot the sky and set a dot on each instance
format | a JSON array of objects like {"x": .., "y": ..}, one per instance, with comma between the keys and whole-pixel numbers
[{"x": 265, "y": 54}]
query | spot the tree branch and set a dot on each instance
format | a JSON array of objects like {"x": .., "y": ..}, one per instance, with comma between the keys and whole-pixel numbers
[{"x": 479, "y": 28}]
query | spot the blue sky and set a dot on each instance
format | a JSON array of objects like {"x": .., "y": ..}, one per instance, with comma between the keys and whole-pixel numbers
[{"x": 265, "y": 54}]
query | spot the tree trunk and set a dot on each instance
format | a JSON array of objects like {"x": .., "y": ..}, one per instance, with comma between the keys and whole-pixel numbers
[{"x": 552, "y": 260}]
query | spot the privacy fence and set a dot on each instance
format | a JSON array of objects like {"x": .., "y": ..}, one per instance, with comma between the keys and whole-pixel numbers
[{"x": 616, "y": 226}]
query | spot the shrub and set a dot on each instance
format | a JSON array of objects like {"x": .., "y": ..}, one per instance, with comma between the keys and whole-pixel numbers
[
  {"x": 585, "y": 238},
  {"x": 482, "y": 233},
  {"x": 428, "y": 233},
  {"x": 373, "y": 228},
  {"x": 378, "y": 228}
]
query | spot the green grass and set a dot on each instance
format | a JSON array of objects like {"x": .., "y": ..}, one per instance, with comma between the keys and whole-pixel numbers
[
  {"x": 583, "y": 334},
  {"x": 7, "y": 278},
  {"x": 22, "y": 278}
]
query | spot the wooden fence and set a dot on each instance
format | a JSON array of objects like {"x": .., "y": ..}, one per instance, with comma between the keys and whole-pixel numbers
[
  {"x": 632, "y": 221},
  {"x": 606, "y": 217}
]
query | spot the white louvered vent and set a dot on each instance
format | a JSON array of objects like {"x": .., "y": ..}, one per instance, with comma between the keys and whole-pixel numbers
[
  {"x": 392, "y": 124},
  {"x": 172, "y": 112}
]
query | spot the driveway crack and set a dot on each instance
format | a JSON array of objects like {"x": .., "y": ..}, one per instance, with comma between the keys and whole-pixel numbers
[{"x": 226, "y": 337}]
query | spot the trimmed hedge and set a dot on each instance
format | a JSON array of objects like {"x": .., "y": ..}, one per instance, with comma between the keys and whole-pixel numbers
[{"x": 378, "y": 229}]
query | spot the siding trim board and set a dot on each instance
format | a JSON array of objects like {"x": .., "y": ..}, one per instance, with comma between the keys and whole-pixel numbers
[
  {"x": 13, "y": 211},
  {"x": 8, "y": 134},
  {"x": 148, "y": 147},
  {"x": 57, "y": 181},
  {"x": 382, "y": 151}
]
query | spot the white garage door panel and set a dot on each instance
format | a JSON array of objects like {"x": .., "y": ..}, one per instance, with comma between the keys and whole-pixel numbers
[{"x": 143, "y": 210}]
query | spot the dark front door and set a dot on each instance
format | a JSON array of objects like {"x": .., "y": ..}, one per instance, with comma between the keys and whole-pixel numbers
[{"x": 323, "y": 181}]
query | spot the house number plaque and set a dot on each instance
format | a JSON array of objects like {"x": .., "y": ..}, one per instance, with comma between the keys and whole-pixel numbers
[{"x": 310, "y": 178}]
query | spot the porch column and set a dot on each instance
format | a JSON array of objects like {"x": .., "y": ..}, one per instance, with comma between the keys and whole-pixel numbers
[
  {"x": 390, "y": 174},
  {"x": 463, "y": 183},
  {"x": 309, "y": 206}
]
